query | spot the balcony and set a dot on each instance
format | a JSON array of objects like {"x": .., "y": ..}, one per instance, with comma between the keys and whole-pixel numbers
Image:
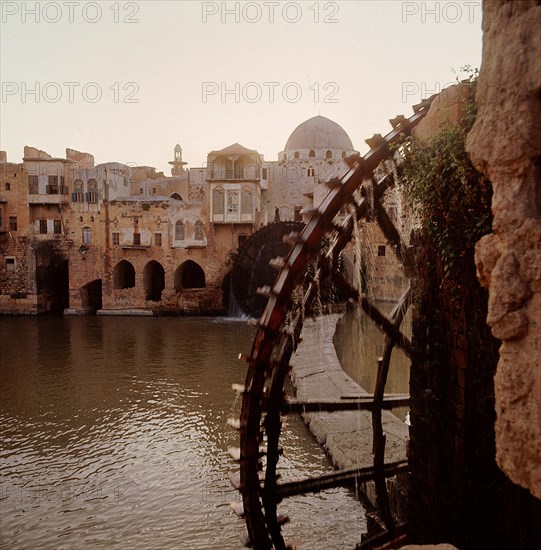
[
  {"x": 231, "y": 175},
  {"x": 39, "y": 198}
]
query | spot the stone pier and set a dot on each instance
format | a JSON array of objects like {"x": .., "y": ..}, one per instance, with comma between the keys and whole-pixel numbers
[{"x": 317, "y": 374}]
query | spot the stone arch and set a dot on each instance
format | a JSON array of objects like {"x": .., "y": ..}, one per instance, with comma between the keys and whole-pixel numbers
[
  {"x": 189, "y": 275},
  {"x": 175, "y": 197},
  {"x": 123, "y": 275},
  {"x": 153, "y": 281},
  {"x": 312, "y": 154}
]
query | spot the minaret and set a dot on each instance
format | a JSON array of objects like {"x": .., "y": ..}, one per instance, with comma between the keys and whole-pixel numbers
[{"x": 178, "y": 164}]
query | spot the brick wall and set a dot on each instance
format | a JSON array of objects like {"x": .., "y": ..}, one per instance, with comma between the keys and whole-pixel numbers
[{"x": 457, "y": 493}]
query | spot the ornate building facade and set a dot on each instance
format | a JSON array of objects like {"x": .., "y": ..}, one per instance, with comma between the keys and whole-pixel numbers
[{"x": 81, "y": 237}]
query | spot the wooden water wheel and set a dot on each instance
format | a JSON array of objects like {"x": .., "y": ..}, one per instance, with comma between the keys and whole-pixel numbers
[{"x": 289, "y": 300}]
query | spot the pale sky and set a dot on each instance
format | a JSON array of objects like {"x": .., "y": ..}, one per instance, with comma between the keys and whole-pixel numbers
[{"x": 126, "y": 81}]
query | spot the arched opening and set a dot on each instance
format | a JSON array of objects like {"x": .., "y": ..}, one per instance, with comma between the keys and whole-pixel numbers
[
  {"x": 312, "y": 154},
  {"x": 124, "y": 275},
  {"x": 311, "y": 172},
  {"x": 328, "y": 154},
  {"x": 91, "y": 295},
  {"x": 153, "y": 281},
  {"x": 296, "y": 155},
  {"x": 176, "y": 197},
  {"x": 52, "y": 277},
  {"x": 189, "y": 275},
  {"x": 344, "y": 154}
]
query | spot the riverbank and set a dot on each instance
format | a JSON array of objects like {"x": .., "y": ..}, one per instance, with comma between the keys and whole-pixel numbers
[{"x": 317, "y": 374}]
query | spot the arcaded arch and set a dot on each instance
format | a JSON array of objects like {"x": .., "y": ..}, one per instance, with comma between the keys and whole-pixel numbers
[
  {"x": 153, "y": 281},
  {"x": 124, "y": 275},
  {"x": 189, "y": 275}
]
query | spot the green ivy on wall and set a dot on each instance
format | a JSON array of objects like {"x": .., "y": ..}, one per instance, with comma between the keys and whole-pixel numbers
[{"x": 450, "y": 197}]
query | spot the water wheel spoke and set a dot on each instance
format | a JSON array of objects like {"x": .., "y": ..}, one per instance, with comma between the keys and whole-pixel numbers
[
  {"x": 335, "y": 479},
  {"x": 292, "y": 405}
]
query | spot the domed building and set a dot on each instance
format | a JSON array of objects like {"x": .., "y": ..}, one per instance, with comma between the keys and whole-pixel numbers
[
  {"x": 318, "y": 138},
  {"x": 313, "y": 153}
]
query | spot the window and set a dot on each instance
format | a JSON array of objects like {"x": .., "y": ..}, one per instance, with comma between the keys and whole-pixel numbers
[
  {"x": 158, "y": 239},
  {"x": 141, "y": 190},
  {"x": 311, "y": 172},
  {"x": 137, "y": 239},
  {"x": 87, "y": 235},
  {"x": 43, "y": 227},
  {"x": 57, "y": 227},
  {"x": 8, "y": 187},
  {"x": 312, "y": 154},
  {"x": 218, "y": 201},
  {"x": 247, "y": 203},
  {"x": 199, "y": 231},
  {"x": 381, "y": 250},
  {"x": 154, "y": 190},
  {"x": 296, "y": 155},
  {"x": 10, "y": 265},
  {"x": 33, "y": 185},
  {"x": 232, "y": 202},
  {"x": 328, "y": 154},
  {"x": 77, "y": 195},
  {"x": 92, "y": 195},
  {"x": 264, "y": 173},
  {"x": 13, "y": 223},
  {"x": 344, "y": 154},
  {"x": 116, "y": 239},
  {"x": 52, "y": 186},
  {"x": 179, "y": 231}
]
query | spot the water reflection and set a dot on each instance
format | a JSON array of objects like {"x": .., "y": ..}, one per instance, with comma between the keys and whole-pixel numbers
[
  {"x": 113, "y": 435},
  {"x": 359, "y": 344}
]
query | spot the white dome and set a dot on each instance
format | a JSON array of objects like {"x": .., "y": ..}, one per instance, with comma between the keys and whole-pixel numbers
[{"x": 318, "y": 132}]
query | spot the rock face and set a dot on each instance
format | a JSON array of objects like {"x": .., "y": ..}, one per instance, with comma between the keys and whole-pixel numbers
[{"x": 505, "y": 144}]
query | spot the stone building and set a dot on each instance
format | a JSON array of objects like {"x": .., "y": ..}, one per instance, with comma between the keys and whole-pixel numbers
[{"x": 82, "y": 237}]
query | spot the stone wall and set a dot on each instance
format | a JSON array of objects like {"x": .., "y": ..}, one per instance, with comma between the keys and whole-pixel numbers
[
  {"x": 457, "y": 493},
  {"x": 505, "y": 144}
]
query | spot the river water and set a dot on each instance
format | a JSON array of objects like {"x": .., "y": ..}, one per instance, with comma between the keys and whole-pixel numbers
[{"x": 113, "y": 435}]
